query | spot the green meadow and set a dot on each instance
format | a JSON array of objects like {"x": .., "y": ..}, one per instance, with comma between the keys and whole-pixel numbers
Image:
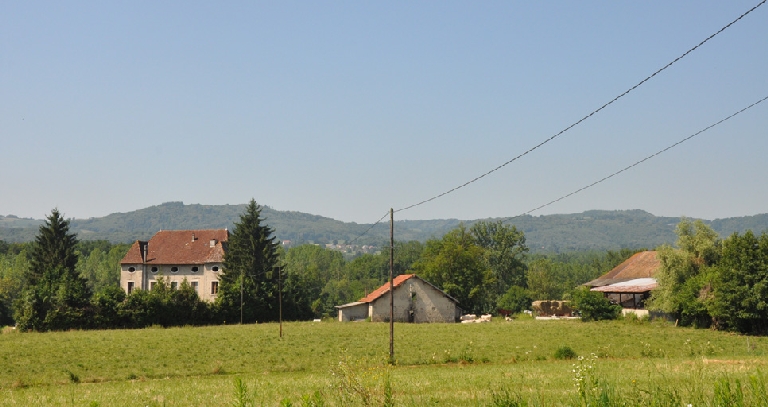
[{"x": 330, "y": 363}]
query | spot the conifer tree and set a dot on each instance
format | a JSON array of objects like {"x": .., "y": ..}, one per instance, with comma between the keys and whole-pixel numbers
[
  {"x": 251, "y": 254},
  {"x": 55, "y": 297}
]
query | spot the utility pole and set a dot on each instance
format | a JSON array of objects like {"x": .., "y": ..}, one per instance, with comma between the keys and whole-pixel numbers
[
  {"x": 279, "y": 270},
  {"x": 391, "y": 286},
  {"x": 241, "y": 297}
]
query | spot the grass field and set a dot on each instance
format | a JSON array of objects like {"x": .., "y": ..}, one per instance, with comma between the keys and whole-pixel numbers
[{"x": 331, "y": 363}]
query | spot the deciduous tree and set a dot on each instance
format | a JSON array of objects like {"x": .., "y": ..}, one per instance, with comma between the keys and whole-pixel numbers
[
  {"x": 739, "y": 295},
  {"x": 455, "y": 263},
  {"x": 593, "y": 305},
  {"x": 544, "y": 281},
  {"x": 504, "y": 250},
  {"x": 684, "y": 273}
]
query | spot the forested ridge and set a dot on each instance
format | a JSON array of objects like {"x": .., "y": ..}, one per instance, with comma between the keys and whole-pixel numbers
[{"x": 590, "y": 230}]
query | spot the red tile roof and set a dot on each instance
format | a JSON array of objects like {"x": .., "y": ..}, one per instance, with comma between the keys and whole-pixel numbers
[
  {"x": 385, "y": 288},
  {"x": 640, "y": 265},
  {"x": 180, "y": 247}
]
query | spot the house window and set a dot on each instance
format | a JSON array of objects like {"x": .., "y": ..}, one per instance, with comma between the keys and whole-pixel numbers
[
  {"x": 215, "y": 268},
  {"x": 154, "y": 269},
  {"x": 214, "y": 287},
  {"x": 194, "y": 269},
  {"x": 174, "y": 285},
  {"x": 174, "y": 269},
  {"x": 152, "y": 285},
  {"x": 130, "y": 287},
  {"x": 194, "y": 285},
  {"x": 131, "y": 269}
]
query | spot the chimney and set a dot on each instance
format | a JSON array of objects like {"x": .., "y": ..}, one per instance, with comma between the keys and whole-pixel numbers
[
  {"x": 144, "y": 254},
  {"x": 213, "y": 242},
  {"x": 193, "y": 237}
]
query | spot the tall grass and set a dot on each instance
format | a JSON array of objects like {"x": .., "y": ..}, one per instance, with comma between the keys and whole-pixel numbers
[{"x": 507, "y": 363}]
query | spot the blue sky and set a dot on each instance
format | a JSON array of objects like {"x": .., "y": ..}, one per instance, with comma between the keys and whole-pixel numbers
[{"x": 345, "y": 109}]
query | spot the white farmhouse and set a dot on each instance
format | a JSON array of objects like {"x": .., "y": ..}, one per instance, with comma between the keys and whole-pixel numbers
[{"x": 415, "y": 300}]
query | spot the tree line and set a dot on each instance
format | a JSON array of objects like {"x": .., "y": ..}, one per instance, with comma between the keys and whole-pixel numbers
[
  {"x": 57, "y": 282},
  {"x": 707, "y": 281}
]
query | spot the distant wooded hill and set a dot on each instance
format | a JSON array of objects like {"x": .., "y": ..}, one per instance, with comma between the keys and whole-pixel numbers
[{"x": 591, "y": 230}]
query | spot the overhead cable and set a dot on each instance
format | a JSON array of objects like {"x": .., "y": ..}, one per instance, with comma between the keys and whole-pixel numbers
[
  {"x": 369, "y": 229},
  {"x": 639, "y": 162},
  {"x": 587, "y": 116}
]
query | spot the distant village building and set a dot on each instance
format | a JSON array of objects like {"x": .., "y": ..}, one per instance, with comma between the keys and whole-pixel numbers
[
  {"x": 630, "y": 283},
  {"x": 194, "y": 255},
  {"x": 415, "y": 300}
]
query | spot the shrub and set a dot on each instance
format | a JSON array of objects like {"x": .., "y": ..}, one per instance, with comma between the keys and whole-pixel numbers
[
  {"x": 565, "y": 352},
  {"x": 516, "y": 299},
  {"x": 593, "y": 306}
]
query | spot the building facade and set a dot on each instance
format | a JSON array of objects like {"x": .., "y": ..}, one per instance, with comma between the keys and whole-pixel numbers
[
  {"x": 196, "y": 256},
  {"x": 414, "y": 300}
]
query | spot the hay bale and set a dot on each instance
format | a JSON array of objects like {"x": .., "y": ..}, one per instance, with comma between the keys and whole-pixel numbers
[{"x": 550, "y": 308}]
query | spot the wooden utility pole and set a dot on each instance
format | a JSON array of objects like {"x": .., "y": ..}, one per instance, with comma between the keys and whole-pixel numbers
[
  {"x": 241, "y": 297},
  {"x": 391, "y": 286},
  {"x": 280, "y": 296}
]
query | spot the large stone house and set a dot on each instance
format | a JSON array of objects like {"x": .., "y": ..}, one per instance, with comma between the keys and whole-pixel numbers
[
  {"x": 194, "y": 255},
  {"x": 415, "y": 300}
]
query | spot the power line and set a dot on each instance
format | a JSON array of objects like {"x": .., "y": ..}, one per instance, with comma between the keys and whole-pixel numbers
[
  {"x": 585, "y": 117},
  {"x": 639, "y": 162},
  {"x": 369, "y": 229},
  {"x": 613, "y": 174},
  {"x": 568, "y": 128}
]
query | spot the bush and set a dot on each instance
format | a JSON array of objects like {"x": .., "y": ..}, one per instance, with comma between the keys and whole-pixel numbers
[
  {"x": 593, "y": 306},
  {"x": 565, "y": 352},
  {"x": 516, "y": 299}
]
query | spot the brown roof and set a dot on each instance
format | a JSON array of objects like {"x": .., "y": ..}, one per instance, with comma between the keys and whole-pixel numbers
[
  {"x": 640, "y": 265},
  {"x": 180, "y": 247}
]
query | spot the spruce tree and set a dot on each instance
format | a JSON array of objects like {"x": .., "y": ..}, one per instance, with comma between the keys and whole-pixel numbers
[
  {"x": 251, "y": 254},
  {"x": 55, "y": 297}
]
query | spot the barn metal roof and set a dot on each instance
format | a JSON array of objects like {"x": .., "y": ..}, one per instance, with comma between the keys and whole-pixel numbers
[{"x": 636, "y": 286}]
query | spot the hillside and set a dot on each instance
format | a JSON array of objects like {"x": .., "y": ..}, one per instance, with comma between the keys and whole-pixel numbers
[{"x": 591, "y": 230}]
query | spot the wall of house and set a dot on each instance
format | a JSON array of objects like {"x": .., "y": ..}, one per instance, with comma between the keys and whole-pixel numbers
[
  {"x": 135, "y": 276},
  {"x": 416, "y": 301},
  {"x": 204, "y": 277},
  {"x": 353, "y": 313}
]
